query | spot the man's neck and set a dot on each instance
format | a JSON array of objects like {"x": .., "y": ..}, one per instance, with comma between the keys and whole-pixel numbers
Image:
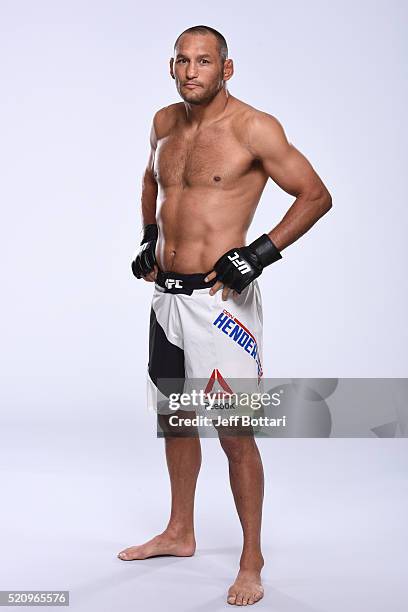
[{"x": 199, "y": 114}]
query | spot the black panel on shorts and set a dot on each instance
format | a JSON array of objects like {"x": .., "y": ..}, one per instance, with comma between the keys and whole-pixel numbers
[{"x": 166, "y": 360}]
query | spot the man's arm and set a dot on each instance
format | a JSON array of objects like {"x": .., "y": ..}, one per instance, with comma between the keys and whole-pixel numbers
[
  {"x": 285, "y": 165},
  {"x": 144, "y": 264},
  {"x": 149, "y": 184},
  {"x": 289, "y": 169}
]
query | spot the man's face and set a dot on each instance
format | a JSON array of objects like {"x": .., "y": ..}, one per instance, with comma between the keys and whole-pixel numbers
[{"x": 197, "y": 68}]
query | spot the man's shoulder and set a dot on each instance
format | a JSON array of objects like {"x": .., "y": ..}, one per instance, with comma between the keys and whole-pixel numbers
[
  {"x": 165, "y": 118},
  {"x": 249, "y": 122},
  {"x": 253, "y": 118}
]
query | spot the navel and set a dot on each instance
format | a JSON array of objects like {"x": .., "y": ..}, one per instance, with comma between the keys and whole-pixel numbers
[{"x": 217, "y": 178}]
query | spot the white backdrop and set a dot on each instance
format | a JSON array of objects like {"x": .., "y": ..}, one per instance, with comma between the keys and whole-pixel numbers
[{"x": 80, "y": 82}]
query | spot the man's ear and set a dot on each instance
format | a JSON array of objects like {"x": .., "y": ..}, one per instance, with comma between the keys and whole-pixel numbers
[
  {"x": 171, "y": 67},
  {"x": 228, "y": 69}
]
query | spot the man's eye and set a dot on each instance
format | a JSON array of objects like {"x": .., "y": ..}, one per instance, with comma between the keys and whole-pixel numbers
[
  {"x": 206, "y": 61},
  {"x": 180, "y": 60}
]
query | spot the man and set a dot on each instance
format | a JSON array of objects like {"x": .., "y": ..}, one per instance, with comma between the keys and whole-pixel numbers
[{"x": 211, "y": 156}]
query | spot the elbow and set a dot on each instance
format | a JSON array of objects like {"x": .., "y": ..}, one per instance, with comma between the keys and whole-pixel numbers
[
  {"x": 320, "y": 199},
  {"x": 329, "y": 203},
  {"x": 326, "y": 201}
]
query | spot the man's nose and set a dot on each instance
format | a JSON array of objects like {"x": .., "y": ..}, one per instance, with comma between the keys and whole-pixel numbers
[{"x": 192, "y": 70}]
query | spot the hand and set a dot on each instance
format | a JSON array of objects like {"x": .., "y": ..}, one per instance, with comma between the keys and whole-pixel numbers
[
  {"x": 226, "y": 292},
  {"x": 144, "y": 264},
  {"x": 240, "y": 266},
  {"x": 151, "y": 276}
]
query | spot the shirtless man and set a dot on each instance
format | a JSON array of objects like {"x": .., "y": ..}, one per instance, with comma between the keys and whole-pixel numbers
[{"x": 211, "y": 156}]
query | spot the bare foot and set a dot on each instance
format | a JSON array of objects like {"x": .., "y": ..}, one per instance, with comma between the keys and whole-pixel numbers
[
  {"x": 247, "y": 588},
  {"x": 163, "y": 544}
]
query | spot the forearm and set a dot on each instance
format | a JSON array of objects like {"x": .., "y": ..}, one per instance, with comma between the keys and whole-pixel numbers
[
  {"x": 148, "y": 213},
  {"x": 238, "y": 267},
  {"x": 144, "y": 264},
  {"x": 148, "y": 202},
  {"x": 305, "y": 211}
]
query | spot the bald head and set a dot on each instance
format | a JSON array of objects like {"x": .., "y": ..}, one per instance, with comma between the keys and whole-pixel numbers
[{"x": 207, "y": 31}]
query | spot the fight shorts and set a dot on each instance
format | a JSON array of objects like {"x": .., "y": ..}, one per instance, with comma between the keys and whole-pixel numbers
[{"x": 198, "y": 336}]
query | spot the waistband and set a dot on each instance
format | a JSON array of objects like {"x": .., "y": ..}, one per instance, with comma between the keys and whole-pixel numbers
[{"x": 173, "y": 282}]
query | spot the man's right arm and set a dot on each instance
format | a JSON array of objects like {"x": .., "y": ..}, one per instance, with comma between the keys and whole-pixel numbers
[
  {"x": 144, "y": 264},
  {"x": 149, "y": 183}
]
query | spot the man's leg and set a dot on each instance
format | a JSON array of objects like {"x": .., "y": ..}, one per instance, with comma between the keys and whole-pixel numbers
[
  {"x": 247, "y": 484},
  {"x": 224, "y": 347},
  {"x": 182, "y": 444},
  {"x": 183, "y": 455}
]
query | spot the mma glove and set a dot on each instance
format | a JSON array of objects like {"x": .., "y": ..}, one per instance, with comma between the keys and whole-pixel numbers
[
  {"x": 145, "y": 260},
  {"x": 237, "y": 268}
]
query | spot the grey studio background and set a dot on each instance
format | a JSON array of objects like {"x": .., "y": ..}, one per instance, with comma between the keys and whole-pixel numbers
[{"x": 82, "y": 474}]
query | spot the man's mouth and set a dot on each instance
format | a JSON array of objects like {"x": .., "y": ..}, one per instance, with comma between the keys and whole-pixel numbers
[{"x": 191, "y": 85}]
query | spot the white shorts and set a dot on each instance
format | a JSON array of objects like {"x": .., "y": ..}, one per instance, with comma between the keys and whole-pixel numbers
[{"x": 195, "y": 335}]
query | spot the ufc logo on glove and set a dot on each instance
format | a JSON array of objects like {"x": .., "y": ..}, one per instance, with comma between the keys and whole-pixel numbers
[{"x": 241, "y": 264}]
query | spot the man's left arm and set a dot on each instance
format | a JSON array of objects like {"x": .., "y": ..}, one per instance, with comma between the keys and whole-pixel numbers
[{"x": 289, "y": 169}]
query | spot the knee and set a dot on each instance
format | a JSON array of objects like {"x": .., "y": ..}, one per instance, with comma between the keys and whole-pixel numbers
[
  {"x": 174, "y": 430},
  {"x": 236, "y": 447}
]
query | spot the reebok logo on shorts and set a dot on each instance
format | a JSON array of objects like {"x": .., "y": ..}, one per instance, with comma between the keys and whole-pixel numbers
[{"x": 233, "y": 328}]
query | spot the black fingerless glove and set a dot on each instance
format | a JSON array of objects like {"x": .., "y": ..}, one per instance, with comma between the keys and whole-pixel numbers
[
  {"x": 237, "y": 268},
  {"x": 145, "y": 260}
]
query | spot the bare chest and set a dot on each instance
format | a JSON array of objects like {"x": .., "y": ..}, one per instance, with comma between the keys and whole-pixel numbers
[{"x": 214, "y": 157}]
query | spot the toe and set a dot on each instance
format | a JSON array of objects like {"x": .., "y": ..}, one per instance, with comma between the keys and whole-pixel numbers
[
  {"x": 257, "y": 596},
  {"x": 239, "y": 599},
  {"x": 231, "y": 598},
  {"x": 251, "y": 600}
]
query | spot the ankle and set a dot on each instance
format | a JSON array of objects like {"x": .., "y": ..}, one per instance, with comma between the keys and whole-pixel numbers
[
  {"x": 180, "y": 532},
  {"x": 251, "y": 561}
]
